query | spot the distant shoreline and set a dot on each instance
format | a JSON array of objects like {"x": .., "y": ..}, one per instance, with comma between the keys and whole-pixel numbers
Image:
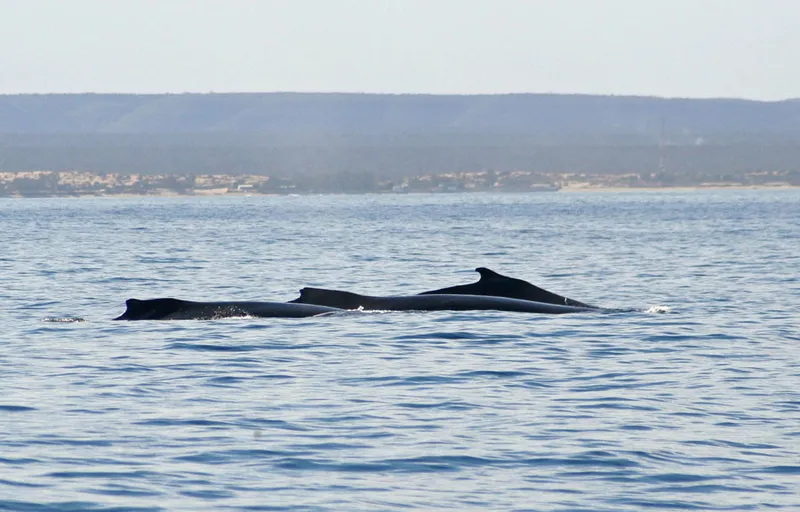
[
  {"x": 564, "y": 189},
  {"x": 691, "y": 188},
  {"x": 94, "y": 184}
]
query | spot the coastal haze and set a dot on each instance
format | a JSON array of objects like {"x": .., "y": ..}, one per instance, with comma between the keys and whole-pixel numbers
[
  {"x": 308, "y": 142},
  {"x": 667, "y": 48}
]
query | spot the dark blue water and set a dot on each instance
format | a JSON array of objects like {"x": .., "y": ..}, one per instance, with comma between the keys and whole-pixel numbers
[{"x": 696, "y": 407}]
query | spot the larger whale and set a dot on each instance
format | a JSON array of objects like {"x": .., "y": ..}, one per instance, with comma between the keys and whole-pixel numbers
[
  {"x": 497, "y": 285},
  {"x": 429, "y": 302},
  {"x": 493, "y": 291}
]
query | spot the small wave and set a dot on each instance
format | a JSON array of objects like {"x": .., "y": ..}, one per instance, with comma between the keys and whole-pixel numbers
[
  {"x": 17, "y": 483},
  {"x": 672, "y": 478},
  {"x": 229, "y": 456},
  {"x": 146, "y": 280},
  {"x": 658, "y": 309},
  {"x": 398, "y": 380},
  {"x": 71, "y": 506},
  {"x": 789, "y": 470},
  {"x": 166, "y": 422},
  {"x": 447, "y": 405},
  {"x": 16, "y": 408},
  {"x": 4, "y": 460},
  {"x": 498, "y": 374},
  {"x": 209, "y": 347},
  {"x": 103, "y": 474},
  {"x": 62, "y": 319},
  {"x": 453, "y": 463},
  {"x": 439, "y": 335}
]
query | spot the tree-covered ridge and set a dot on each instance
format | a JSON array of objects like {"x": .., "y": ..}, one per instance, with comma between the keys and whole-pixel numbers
[{"x": 546, "y": 115}]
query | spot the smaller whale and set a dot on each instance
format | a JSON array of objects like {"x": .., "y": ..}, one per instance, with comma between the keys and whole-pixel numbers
[
  {"x": 497, "y": 285},
  {"x": 177, "y": 309},
  {"x": 429, "y": 302}
]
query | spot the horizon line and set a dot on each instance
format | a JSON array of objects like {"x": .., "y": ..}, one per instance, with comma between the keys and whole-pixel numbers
[{"x": 370, "y": 93}]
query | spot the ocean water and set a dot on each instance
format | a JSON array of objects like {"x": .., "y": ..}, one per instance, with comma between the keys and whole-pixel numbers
[{"x": 690, "y": 403}]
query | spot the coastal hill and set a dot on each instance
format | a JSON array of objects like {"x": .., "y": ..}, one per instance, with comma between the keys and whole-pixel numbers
[
  {"x": 557, "y": 118},
  {"x": 283, "y": 134}
]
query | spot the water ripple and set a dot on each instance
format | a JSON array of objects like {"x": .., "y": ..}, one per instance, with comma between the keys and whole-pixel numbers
[{"x": 696, "y": 409}]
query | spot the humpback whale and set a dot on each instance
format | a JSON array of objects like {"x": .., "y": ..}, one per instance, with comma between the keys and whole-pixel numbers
[
  {"x": 177, "y": 309},
  {"x": 429, "y": 302},
  {"x": 493, "y": 291},
  {"x": 498, "y": 285}
]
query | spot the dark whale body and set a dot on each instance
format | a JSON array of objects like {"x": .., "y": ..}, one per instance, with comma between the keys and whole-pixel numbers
[
  {"x": 429, "y": 302},
  {"x": 176, "y": 309},
  {"x": 498, "y": 285},
  {"x": 492, "y": 291}
]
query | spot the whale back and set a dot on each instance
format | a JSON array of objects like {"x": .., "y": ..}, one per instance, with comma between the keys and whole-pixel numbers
[
  {"x": 151, "y": 309},
  {"x": 497, "y": 285},
  {"x": 176, "y": 309},
  {"x": 429, "y": 302},
  {"x": 331, "y": 298}
]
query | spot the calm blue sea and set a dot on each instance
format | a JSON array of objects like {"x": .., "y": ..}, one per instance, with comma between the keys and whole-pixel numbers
[{"x": 695, "y": 407}]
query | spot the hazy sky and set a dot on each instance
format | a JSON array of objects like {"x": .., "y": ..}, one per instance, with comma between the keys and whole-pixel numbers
[{"x": 692, "y": 48}]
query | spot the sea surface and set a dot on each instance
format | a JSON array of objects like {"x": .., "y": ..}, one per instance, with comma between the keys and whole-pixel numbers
[{"x": 692, "y": 402}]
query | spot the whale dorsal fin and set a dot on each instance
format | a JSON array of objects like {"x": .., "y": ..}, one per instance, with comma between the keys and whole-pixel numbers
[
  {"x": 134, "y": 308},
  {"x": 307, "y": 295},
  {"x": 492, "y": 283},
  {"x": 150, "y": 309},
  {"x": 331, "y": 298},
  {"x": 487, "y": 273}
]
